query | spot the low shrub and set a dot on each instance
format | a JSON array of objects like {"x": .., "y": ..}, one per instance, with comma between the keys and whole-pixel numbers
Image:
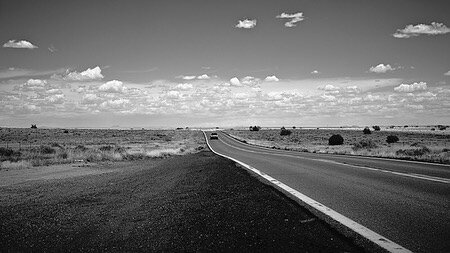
[
  {"x": 364, "y": 144},
  {"x": 376, "y": 128},
  {"x": 254, "y": 128},
  {"x": 336, "y": 139},
  {"x": 106, "y": 148},
  {"x": 413, "y": 151},
  {"x": 6, "y": 152},
  {"x": 46, "y": 150},
  {"x": 392, "y": 139},
  {"x": 285, "y": 132},
  {"x": 367, "y": 130},
  {"x": 81, "y": 148}
]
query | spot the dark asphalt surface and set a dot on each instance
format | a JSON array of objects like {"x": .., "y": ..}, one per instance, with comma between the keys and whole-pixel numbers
[{"x": 407, "y": 202}]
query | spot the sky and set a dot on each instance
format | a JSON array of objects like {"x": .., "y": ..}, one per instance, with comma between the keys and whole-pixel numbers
[{"x": 205, "y": 63}]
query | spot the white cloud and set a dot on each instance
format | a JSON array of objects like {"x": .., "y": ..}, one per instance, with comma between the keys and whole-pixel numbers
[
  {"x": 113, "y": 86},
  {"x": 328, "y": 98},
  {"x": 329, "y": 87},
  {"x": 315, "y": 72},
  {"x": 372, "y": 98},
  {"x": 411, "y": 87},
  {"x": 416, "y": 30},
  {"x": 184, "y": 86},
  {"x": 173, "y": 94},
  {"x": 88, "y": 74},
  {"x": 381, "y": 68},
  {"x": 188, "y": 77},
  {"x": 246, "y": 23},
  {"x": 33, "y": 85},
  {"x": 90, "y": 99},
  {"x": 204, "y": 76},
  {"x": 235, "y": 81},
  {"x": 271, "y": 79},
  {"x": 250, "y": 81},
  {"x": 19, "y": 44},
  {"x": 447, "y": 73},
  {"x": 295, "y": 18},
  {"x": 120, "y": 103},
  {"x": 55, "y": 99},
  {"x": 36, "y": 82},
  {"x": 54, "y": 91}
]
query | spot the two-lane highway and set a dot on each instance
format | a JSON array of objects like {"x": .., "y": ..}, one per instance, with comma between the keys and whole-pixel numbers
[{"x": 407, "y": 202}]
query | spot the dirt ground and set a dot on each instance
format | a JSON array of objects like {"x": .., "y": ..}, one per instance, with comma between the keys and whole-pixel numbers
[{"x": 197, "y": 202}]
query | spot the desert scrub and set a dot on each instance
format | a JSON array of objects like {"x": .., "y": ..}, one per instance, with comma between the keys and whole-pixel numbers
[
  {"x": 317, "y": 141},
  {"x": 336, "y": 139},
  {"x": 8, "y": 154},
  {"x": 364, "y": 144}
]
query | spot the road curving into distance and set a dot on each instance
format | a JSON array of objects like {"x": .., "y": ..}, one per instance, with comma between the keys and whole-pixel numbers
[{"x": 406, "y": 202}]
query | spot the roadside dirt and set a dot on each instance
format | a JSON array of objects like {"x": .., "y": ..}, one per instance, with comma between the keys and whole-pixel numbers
[{"x": 198, "y": 202}]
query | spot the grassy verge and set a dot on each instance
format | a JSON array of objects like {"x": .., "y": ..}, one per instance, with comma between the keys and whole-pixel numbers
[
  {"x": 24, "y": 148},
  {"x": 427, "y": 147},
  {"x": 198, "y": 202}
]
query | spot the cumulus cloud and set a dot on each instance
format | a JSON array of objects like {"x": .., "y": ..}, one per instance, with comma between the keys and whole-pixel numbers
[
  {"x": 87, "y": 75},
  {"x": 235, "y": 81},
  {"x": 295, "y": 18},
  {"x": 200, "y": 77},
  {"x": 381, "y": 68},
  {"x": 204, "y": 76},
  {"x": 188, "y": 77},
  {"x": 416, "y": 30},
  {"x": 173, "y": 94},
  {"x": 19, "y": 44},
  {"x": 90, "y": 98},
  {"x": 447, "y": 73},
  {"x": 246, "y": 23},
  {"x": 120, "y": 103},
  {"x": 271, "y": 79},
  {"x": 33, "y": 85},
  {"x": 113, "y": 86},
  {"x": 184, "y": 86},
  {"x": 411, "y": 87},
  {"x": 55, "y": 99},
  {"x": 250, "y": 81},
  {"x": 329, "y": 87}
]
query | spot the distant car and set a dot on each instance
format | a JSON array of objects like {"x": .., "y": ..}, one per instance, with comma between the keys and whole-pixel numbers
[{"x": 214, "y": 136}]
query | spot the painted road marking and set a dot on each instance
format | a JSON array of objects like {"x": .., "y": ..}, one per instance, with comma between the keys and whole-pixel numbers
[
  {"x": 376, "y": 239},
  {"x": 411, "y": 175}
]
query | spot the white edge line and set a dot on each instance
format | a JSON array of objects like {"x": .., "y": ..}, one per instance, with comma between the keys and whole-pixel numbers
[
  {"x": 331, "y": 217},
  {"x": 355, "y": 156}
]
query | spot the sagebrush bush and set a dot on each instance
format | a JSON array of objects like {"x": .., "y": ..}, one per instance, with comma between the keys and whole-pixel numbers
[
  {"x": 336, "y": 139},
  {"x": 392, "y": 139},
  {"x": 6, "y": 152},
  {"x": 46, "y": 150},
  {"x": 285, "y": 132},
  {"x": 366, "y": 143},
  {"x": 413, "y": 151},
  {"x": 376, "y": 128},
  {"x": 367, "y": 130}
]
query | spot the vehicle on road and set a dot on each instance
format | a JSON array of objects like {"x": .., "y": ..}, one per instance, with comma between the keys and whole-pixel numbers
[{"x": 213, "y": 136}]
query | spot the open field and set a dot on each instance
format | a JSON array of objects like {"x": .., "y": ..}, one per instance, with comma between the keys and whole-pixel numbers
[
  {"x": 195, "y": 203},
  {"x": 412, "y": 145},
  {"x": 24, "y": 147}
]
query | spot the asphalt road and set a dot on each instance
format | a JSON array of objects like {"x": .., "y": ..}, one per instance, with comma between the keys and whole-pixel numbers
[{"x": 407, "y": 202}]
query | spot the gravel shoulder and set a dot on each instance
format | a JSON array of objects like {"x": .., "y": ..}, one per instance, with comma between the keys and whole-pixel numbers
[{"x": 196, "y": 202}]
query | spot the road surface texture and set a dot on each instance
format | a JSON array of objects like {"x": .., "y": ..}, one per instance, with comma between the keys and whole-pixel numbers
[
  {"x": 406, "y": 202},
  {"x": 193, "y": 203}
]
